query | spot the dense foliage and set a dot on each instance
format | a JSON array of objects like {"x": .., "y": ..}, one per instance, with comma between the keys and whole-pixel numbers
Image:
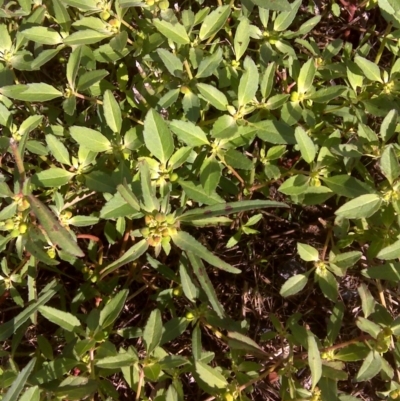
[{"x": 141, "y": 141}]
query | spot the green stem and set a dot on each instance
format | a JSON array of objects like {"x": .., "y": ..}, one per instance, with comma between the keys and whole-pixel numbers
[{"x": 383, "y": 43}]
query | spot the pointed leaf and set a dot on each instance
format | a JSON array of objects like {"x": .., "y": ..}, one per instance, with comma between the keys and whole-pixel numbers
[
  {"x": 205, "y": 282},
  {"x": 175, "y": 32},
  {"x": 90, "y": 139},
  {"x": 171, "y": 62},
  {"x": 214, "y": 96},
  {"x": 275, "y": 5},
  {"x": 113, "y": 308},
  {"x": 314, "y": 359},
  {"x": 187, "y": 243},
  {"x": 209, "y": 65},
  {"x": 153, "y": 331},
  {"x": 157, "y": 137},
  {"x": 42, "y": 35},
  {"x": 112, "y": 112},
  {"x": 307, "y": 253},
  {"x": 189, "y": 289},
  {"x": 39, "y": 92},
  {"x": 19, "y": 383},
  {"x": 56, "y": 232},
  {"x": 210, "y": 376},
  {"x": 58, "y": 149},
  {"x": 189, "y": 133},
  {"x": 370, "y": 69},
  {"x": 129, "y": 196},
  {"x": 306, "y": 145},
  {"x": 228, "y": 208},
  {"x": 360, "y": 207},
  {"x": 129, "y": 256},
  {"x": 85, "y": 37},
  {"x": 73, "y": 64},
  {"x": 294, "y": 285},
  {"x": 65, "y": 320},
  {"x": 306, "y": 76},
  {"x": 214, "y": 22},
  {"x": 248, "y": 84},
  {"x": 370, "y": 367},
  {"x": 284, "y": 20},
  {"x": 390, "y": 252}
]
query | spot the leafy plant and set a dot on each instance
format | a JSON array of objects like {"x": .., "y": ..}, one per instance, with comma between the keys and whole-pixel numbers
[{"x": 141, "y": 144}]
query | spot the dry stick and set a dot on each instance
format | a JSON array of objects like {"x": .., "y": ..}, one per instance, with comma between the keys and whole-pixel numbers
[
  {"x": 141, "y": 377},
  {"x": 383, "y": 302}
]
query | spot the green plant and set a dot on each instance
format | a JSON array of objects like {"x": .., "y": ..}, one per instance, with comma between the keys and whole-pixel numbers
[{"x": 131, "y": 131}]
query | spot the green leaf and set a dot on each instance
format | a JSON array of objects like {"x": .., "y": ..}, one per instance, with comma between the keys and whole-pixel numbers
[
  {"x": 345, "y": 185},
  {"x": 90, "y": 78},
  {"x": 157, "y": 137},
  {"x": 197, "y": 194},
  {"x": 214, "y": 22},
  {"x": 237, "y": 160},
  {"x": 210, "y": 174},
  {"x": 327, "y": 94},
  {"x": 212, "y": 95},
  {"x": 388, "y": 126},
  {"x": 189, "y": 288},
  {"x": 19, "y": 383},
  {"x": 113, "y": 308},
  {"x": 40, "y": 92},
  {"x": 112, "y": 112},
  {"x": 388, "y": 271},
  {"x": 228, "y": 208},
  {"x": 248, "y": 83},
  {"x": 153, "y": 331},
  {"x": 206, "y": 284},
  {"x": 116, "y": 361},
  {"x": 209, "y": 65},
  {"x": 84, "y": 5},
  {"x": 129, "y": 196},
  {"x": 58, "y": 149},
  {"x": 369, "y": 69},
  {"x": 172, "y": 63},
  {"x": 367, "y": 300},
  {"x": 370, "y": 367},
  {"x": 129, "y": 256},
  {"x": 85, "y": 37},
  {"x": 31, "y": 394},
  {"x": 211, "y": 376},
  {"x": 5, "y": 116},
  {"x": 65, "y": 320},
  {"x": 306, "y": 145},
  {"x": 306, "y": 76},
  {"x": 150, "y": 202},
  {"x": 8, "y": 329},
  {"x": 346, "y": 259},
  {"x": 242, "y": 342},
  {"x": 42, "y": 35},
  {"x": 187, "y": 243},
  {"x": 267, "y": 80},
  {"x": 90, "y": 139},
  {"x": 390, "y": 252},
  {"x": 56, "y": 232},
  {"x": 307, "y": 253},
  {"x": 361, "y": 207},
  {"x": 328, "y": 284},
  {"x": 294, "y": 285},
  {"x": 175, "y": 32},
  {"x": 44, "y": 57},
  {"x": 53, "y": 177},
  {"x": 284, "y": 19},
  {"x": 242, "y": 38},
  {"x": 275, "y": 5},
  {"x": 314, "y": 359},
  {"x": 173, "y": 329},
  {"x": 189, "y": 133}
]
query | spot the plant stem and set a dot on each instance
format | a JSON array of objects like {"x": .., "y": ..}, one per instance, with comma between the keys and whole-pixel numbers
[
  {"x": 19, "y": 163},
  {"x": 383, "y": 43},
  {"x": 187, "y": 68}
]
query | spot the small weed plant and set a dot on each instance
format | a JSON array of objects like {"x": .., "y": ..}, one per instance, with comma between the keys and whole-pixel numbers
[{"x": 156, "y": 157}]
